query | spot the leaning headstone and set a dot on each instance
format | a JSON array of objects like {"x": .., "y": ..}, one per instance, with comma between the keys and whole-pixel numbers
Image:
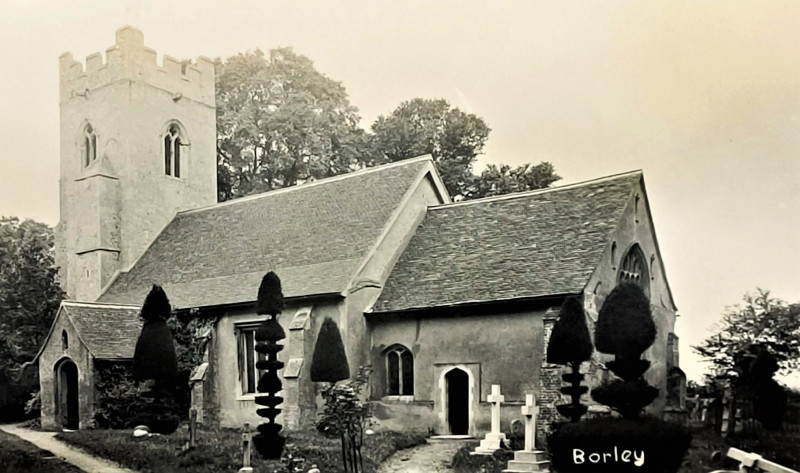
[
  {"x": 493, "y": 439},
  {"x": 529, "y": 459},
  {"x": 247, "y": 441}
]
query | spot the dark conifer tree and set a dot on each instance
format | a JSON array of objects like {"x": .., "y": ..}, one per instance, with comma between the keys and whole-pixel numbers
[
  {"x": 329, "y": 363},
  {"x": 269, "y": 442},
  {"x": 154, "y": 360},
  {"x": 625, "y": 329},
  {"x": 571, "y": 344}
]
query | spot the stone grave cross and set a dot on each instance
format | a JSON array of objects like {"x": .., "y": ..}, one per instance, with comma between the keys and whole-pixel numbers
[
  {"x": 496, "y": 399},
  {"x": 493, "y": 439},
  {"x": 530, "y": 410},
  {"x": 247, "y": 446}
]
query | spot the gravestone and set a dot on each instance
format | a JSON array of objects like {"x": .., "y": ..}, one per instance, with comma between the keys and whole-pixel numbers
[
  {"x": 247, "y": 448},
  {"x": 529, "y": 459},
  {"x": 493, "y": 439}
]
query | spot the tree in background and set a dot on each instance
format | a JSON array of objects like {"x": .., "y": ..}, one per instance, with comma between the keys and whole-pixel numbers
[
  {"x": 763, "y": 322},
  {"x": 155, "y": 364},
  {"x": 29, "y": 299},
  {"x": 503, "y": 179},
  {"x": 571, "y": 344},
  {"x": 269, "y": 442},
  {"x": 421, "y": 126},
  {"x": 280, "y": 122}
]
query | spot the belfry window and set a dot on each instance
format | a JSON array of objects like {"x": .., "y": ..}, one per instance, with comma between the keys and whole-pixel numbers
[
  {"x": 634, "y": 270},
  {"x": 172, "y": 151},
  {"x": 89, "y": 145},
  {"x": 399, "y": 372}
]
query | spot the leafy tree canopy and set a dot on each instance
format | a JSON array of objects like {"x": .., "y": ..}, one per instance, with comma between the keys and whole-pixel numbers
[
  {"x": 503, "y": 179},
  {"x": 421, "y": 126},
  {"x": 761, "y": 323},
  {"x": 280, "y": 122},
  {"x": 29, "y": 291}
]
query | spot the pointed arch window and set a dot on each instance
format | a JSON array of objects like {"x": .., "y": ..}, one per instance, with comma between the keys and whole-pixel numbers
[
  {"x": 64, "y": 340},
  {"x": 634, "y": 269},
  {"x": 173, "y": 140},
  {"x": 89, "y": 145},
  {"x": 399, "y": 372}
]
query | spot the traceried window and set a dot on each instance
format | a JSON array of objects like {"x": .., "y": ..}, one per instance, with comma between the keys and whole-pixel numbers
[
  {"x": 399, "y": 372},
  {"x": 172, "y": 150},
  {"x": 89, "y": 145},
  {"x": 248, "y": 373},
  {"x": 634, "y": 270}
]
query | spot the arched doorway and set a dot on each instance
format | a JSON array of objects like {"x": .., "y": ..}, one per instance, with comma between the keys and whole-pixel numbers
[
  {"x": 457, "y": 382},
  {"x": 67, "y": 395}
]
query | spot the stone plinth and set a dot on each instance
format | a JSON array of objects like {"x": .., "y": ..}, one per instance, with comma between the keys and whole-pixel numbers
[
  {"x": 490, "y": 444},
  {"x": 525, "y": 460}
]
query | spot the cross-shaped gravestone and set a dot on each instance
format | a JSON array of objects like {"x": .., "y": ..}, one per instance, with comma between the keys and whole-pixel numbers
[
  {"x": 496, "y": 399},
  {"x": 247, "y": 442},
  {"x": 530, "y": 410},
  {"x": 493, "y": 439}
]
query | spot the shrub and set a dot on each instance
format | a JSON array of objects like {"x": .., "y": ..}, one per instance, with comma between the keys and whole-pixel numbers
[
  {"x": 662, "y": 444},
  {"x": 329, "y": 363},
  {"x": 269, "y": 442},
  {"x": 625, "y": 328},
  {"x": 625, "y": 324},
  {"x": 571, "y": 344},
  {"x": 154, "y": 361}
]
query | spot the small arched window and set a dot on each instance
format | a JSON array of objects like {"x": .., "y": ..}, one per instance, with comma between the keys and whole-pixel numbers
[
  {"x": 634, "y": 270},
  {"x": 399, "y": 372},
  {"x": 64, "y": 340},
  {"x": 172, "y": 150},
  {"x": 89, "y": 145}
]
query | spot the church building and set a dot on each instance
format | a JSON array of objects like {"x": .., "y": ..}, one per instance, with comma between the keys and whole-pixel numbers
[{"x": 441, "y": 299}]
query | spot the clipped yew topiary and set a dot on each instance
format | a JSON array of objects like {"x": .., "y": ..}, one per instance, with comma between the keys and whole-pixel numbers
[
  {"x": 329, "y": 363},
  {"x": 571, "y": 344},
  {"x": 155, "y": 364},
  {"x": 269, "y": 442},
  {"x": 625, "y": 329}
]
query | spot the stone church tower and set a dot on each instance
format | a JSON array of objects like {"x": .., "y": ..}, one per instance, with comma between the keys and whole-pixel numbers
[{"x": 138, "y": 144}]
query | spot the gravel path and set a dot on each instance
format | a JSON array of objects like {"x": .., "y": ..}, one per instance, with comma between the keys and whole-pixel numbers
[
  {"x": 47, "y": 441},
  {"x": 432, "y": 457}
]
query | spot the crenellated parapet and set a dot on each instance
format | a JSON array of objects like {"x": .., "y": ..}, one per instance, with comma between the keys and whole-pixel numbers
[{"x": 130, "y": 60}]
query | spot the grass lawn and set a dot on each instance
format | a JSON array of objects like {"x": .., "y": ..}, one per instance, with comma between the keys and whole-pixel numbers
[
  {"x": 220, "y": 450},
  {"x": 19, "y": 456}
]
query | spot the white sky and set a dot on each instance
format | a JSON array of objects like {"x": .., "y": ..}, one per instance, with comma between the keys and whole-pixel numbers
[{"x": 703, "y": 95}]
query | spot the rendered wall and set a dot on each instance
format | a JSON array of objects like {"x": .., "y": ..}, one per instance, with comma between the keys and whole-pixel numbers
[
  {"x": 51, "y": 356},
  {"x": 499, "y": 348},
  {"x": 636, "y": 227},
  {"x": 300, "y": 394}
]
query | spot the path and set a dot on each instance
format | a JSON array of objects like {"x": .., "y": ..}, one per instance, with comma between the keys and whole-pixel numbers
[
  {"x": 47, "y": 441},
  {"x": 432, "y": 457}
]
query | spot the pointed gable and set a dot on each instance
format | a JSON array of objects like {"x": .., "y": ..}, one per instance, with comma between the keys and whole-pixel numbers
[
  {"x": 313, "y": 235},
  {"x": 531, "y": 244}
]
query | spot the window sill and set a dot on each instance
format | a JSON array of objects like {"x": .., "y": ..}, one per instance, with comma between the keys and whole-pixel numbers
[
  {"x": 397, "y": 399},
  {"x": 246, "y": 397}
]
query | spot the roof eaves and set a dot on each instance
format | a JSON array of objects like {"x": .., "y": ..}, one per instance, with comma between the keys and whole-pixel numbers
[
  {"x": 475, "y": 303},
  {"x": 518, "y": 195},
  {"x": 78, "y": 331}
]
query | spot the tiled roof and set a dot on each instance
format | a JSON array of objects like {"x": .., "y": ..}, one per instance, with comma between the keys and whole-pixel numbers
[
  {"x": 314, "y": 236},
  {"x": 523, "y": 245},
  {"x": 109, "y": 331}
]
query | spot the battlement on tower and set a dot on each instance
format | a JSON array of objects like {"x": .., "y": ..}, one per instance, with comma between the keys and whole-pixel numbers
[{"x": 130, "y": 60}]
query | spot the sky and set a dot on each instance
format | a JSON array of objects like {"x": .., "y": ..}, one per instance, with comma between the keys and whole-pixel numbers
[{"x": 702, "y": 95}]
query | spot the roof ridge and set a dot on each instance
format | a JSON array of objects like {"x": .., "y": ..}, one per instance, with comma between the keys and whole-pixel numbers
[
  {"x": 517, "y": 195},
  {"x": 327, "y": 180},
  {"x": 100, "y": 305}
]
